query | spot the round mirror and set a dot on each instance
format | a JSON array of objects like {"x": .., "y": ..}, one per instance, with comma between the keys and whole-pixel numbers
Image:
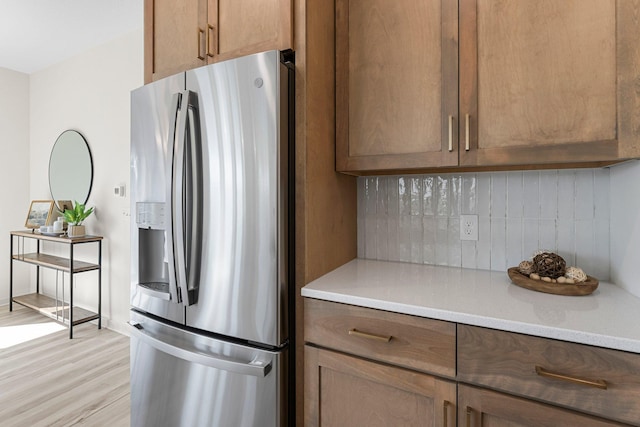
[{"x": 70, "y": 168}]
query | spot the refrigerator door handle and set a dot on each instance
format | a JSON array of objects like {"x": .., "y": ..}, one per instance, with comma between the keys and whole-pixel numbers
[
  {"x": 175, "y": 118},
  {"x": 185, "y": 194},
  {"x": 256, "y": 368}
]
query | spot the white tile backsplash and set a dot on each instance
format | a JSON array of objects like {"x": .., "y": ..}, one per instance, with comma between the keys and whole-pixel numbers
[{"x": 416, "y": 218}]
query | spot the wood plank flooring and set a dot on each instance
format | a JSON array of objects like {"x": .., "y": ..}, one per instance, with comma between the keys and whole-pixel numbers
[{"x": 55, "y": 381}]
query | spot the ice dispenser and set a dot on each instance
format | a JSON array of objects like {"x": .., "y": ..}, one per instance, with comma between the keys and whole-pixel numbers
[{"x": 153, "y": 272}]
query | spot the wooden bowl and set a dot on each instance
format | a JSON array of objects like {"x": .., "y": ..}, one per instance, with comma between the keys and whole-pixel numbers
[{"x": 576, "y": 289}]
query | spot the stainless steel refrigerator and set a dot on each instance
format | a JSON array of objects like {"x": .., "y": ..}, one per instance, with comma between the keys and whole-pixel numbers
[{"x": 211, "y": 245}]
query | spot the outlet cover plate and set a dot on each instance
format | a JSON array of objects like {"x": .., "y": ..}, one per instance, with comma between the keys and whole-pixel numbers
[{"x": 469, "y": 227}]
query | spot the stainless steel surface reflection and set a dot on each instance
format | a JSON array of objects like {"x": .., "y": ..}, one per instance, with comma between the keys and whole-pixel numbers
[
  {"x": 210, "y": 235},
  {"x": 241, "y": 282},
  {"x": 184, "y": 379}
]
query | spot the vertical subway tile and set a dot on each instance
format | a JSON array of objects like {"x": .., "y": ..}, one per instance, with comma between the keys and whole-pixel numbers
[
  {"x": 531, "y": 194},
  {"x": 468, "y": 201},
  {"x": 547, "y": 235},
  {"x": 429, "y": 239},
  {"x": 566, "y": 239},
  {"x": 370, "y": 243},
  {"x": 585, "y": 244},
  {"x": 515, "y": 195},
  {"x": 393, "y": 238},
  {"x": 404, "y": 238},
  {"x": 483, "y": 245},
  {"x": 455, "y": 194},
  {"x": 566, "y": 194},
  {"x": 514, "y": 241},
  {"x": 549, "y": 194},
  {"x": 404, "y": 195},
  {"x": 601, "y": 193},
  {"x": 584, "y": 201},
  {"x": 468, "y": 251},
  {"x": 393, "y": 195},
  {"x": 498, "y": 195},
  {"x": 429, "y": 198},
  {"x": 442, "y": 240},
  {"x": 442, "y": 189},
  {"x": 415, "y": 190},
  {"x": 602, "y": 267},
  {"x": 360, "y": 187},
  {"x": 454, "y": 249},
  {"x": 415, "y": 218},
  {"x": 498, "y": 244},
  {"x": 382, "y": 237},
  {"x": 530, "y": 232},
  {"x": 416, "y": 239},
  {"x": 484, "y": 194},
  {"x": 371, "y": 195},
  {"x": 360, "y": 217},
  {"x": 382, "y": 202}
]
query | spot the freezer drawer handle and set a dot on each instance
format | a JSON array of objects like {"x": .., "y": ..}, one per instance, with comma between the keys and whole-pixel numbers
[{"x": 256, "y": 368}]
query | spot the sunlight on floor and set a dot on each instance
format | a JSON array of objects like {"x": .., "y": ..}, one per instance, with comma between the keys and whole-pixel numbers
[{"x": 14, "y": 335}]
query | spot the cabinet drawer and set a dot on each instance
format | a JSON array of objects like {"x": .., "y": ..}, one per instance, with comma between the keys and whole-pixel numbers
[
  {"x": 413, "y": 342},
  {"x": 594, "y": 380}
]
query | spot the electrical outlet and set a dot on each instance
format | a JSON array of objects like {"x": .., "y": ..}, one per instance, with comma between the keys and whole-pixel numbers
[{"x": 468, "y": 227}]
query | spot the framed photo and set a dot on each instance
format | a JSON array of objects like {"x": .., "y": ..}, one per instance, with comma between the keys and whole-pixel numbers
[
  {"x": 63, "y": 205},
  {"x": 39, "y": 213}
]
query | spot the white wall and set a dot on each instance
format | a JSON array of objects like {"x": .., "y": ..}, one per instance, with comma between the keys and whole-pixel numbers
[
  {"x": 90, "y": 93},
  {"x": 14, "y": 170},
  {"x": 625, "y": 226}
]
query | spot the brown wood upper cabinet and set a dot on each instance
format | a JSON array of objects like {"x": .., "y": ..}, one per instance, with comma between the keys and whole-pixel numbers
[
  {"x": 425, "y": 84},
  {"x": 183, "y": 35}
]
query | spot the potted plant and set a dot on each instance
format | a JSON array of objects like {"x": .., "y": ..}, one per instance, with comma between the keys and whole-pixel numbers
[{"x": 75, "y": 217}]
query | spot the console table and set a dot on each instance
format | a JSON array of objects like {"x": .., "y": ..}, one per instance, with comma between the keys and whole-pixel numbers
[{"x": 59, "y": 310}]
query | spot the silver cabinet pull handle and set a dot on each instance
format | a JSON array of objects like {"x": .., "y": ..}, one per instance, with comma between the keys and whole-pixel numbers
[
  {"x": 466, "y": 133},
  {"x": 210, "y": 40},
  {"x": 450, "y": 133},
  {"x": 201, "y": 36},
  {"x": 601, "y": 384},
  {"x": 357, "y": 333}
]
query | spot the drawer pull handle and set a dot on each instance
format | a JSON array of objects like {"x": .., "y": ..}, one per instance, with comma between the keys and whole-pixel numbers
[
  {"x": 602, "y": 384},
  {"x": 469, "y": 411},
  {"x": 357, "y": 333}
]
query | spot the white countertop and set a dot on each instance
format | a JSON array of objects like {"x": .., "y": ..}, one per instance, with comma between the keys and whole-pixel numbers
[{"x": 610, "y": 317}]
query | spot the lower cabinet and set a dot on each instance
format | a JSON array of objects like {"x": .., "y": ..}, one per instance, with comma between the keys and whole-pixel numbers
[
  {"x": 366, "y": 367},
  {"x": 480, "y": 407},
  {"x": 343, "y": 390}
]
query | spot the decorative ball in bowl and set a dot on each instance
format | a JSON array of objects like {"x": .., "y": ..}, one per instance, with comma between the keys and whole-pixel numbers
[{"x": 547, "y": 272}]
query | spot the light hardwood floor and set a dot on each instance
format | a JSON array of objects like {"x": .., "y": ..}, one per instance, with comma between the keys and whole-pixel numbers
[{"x": 54, "y": 381}]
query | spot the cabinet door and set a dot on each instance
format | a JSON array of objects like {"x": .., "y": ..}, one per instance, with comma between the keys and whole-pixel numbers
[
  {"x": 483, "y": 408},
  {"x": 342, "y": 390},
  {"x": 396, "y": 79},
  {"x": 172, "y": 41},
  {"x": 249, "y": 26},
  {"x": 538, "y": 81}
]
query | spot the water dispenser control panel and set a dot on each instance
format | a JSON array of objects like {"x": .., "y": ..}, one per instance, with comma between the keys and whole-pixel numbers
[{"x": 150, "y": 215}]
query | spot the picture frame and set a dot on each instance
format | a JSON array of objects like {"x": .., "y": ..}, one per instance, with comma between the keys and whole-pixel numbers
[
  {"x": 62, "y": 205},
  {"x": 39, "y": 213}
]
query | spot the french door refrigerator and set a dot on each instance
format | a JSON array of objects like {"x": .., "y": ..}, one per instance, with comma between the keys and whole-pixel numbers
[{"x": 211, "y": 245}]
